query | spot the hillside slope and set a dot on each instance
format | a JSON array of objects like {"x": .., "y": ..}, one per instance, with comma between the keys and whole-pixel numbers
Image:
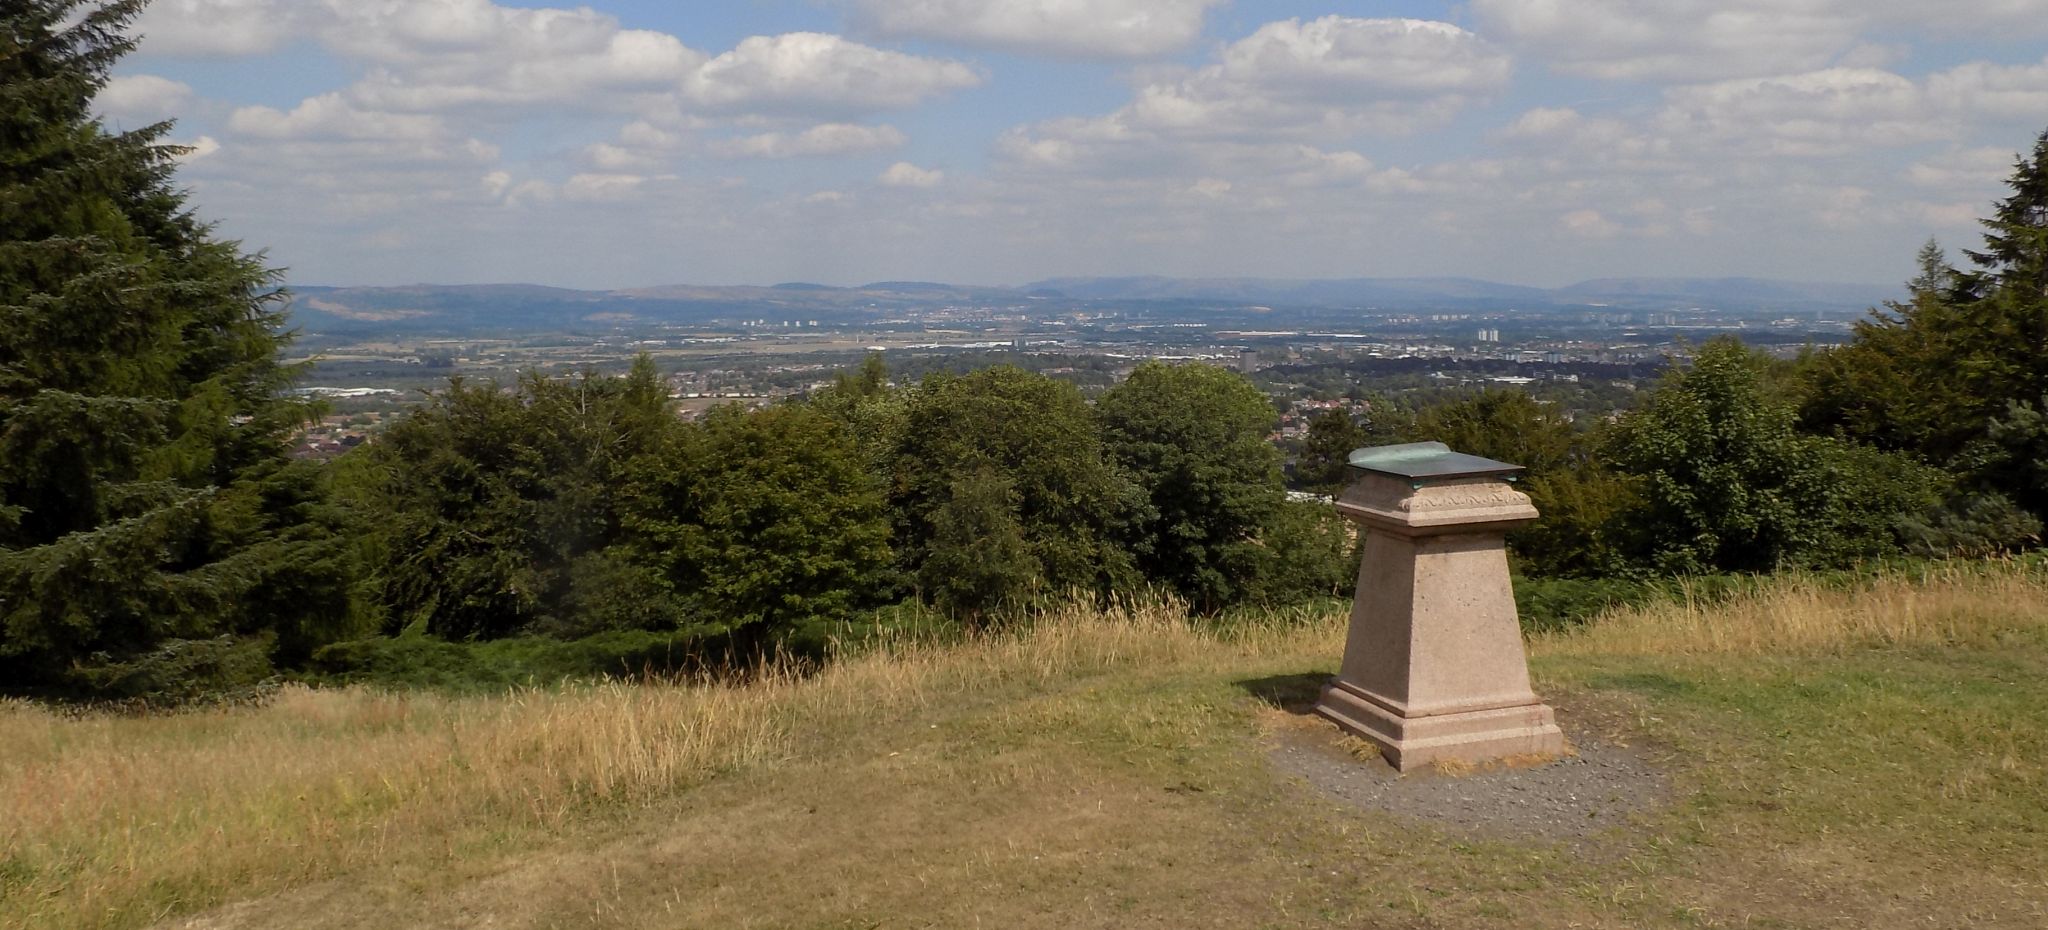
[{"x": 1872, "y": 757}]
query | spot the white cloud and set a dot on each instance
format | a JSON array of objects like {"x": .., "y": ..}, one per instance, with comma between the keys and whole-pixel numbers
[
  {"x": 1338, "y": 56},
  {"x": 905, "y": 174},
  {"x": 1333, "y": 77},
  {"x": 1565, "y": 133},
  {"x": 218, "y": 28},
  {"x": 1952, "y": 215},
  {"x": 810, "y": 72},
  {"x": 447, "y": 54},
  {"x": 1974, "y": 169},
  {"x": 1994, "y": 91},
  {"x": 1071, "y": 28},
  {"x": 1830, "y": 113},
  {"x": 642, "y": 146},
  {"x": 1589, "y": 224},
  {"x": 1673, "y": 39},
  {"x": 614, "y": 158},
  {"x": 332, "y": 116},
  {"x": 141, "y": 99},
  {"x": 457, "y": 55},
  {"x": 1818, "y": 113},
  {"x": 606, "y": 188},
  {"x": 821, "y": 140},
  {"x": 1689, "y": 40}
]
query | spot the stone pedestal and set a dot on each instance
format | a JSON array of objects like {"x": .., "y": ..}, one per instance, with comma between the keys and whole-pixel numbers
[{"x": 1434, "y": 668}]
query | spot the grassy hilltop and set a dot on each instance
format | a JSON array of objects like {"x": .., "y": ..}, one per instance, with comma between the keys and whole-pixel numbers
[{"x": 1871, "y": 755}]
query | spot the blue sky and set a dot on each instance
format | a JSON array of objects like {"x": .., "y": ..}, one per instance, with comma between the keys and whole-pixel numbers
[{"x": 630, "y": 142}]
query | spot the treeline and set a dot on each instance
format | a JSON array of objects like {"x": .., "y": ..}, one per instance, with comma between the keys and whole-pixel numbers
[
  {"x": 574, "y": 506},
  {"x": 1715, "y": 471}
]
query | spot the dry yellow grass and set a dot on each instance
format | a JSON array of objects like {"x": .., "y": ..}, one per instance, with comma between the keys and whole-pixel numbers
[
  {"x": 1953, "y": 603},
  {"x": 112, "y": 821},
  {"x": 116, "y": 821}
]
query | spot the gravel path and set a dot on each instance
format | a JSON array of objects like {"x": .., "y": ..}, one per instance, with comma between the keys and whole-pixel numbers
[{"x": 1571, "y": 800}]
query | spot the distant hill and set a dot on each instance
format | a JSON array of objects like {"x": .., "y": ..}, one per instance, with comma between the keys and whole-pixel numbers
[
  {"x": 527, "y": 307},
  {"x": 1721, "y": 290},
  {"x": 519, "y": 307},
  {"x": 1286, "y": 292},
  {"x": 1721, "y": 293}
]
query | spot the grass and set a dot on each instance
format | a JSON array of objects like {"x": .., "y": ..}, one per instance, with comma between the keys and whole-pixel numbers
[{"x": 1871, "y": 754}]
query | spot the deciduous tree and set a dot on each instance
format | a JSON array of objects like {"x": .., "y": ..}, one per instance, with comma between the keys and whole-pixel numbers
[
  {"x": 1073, "y": 505},
  {"x": 1195, "y": 438},
  {"x": 759, "y": 520}
]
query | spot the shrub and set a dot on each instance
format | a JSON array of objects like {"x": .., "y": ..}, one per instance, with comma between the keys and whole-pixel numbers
[
  {"x": 180, "y": 672},
  {"x": 418, "y": 661},
  {"x": 1307, "y": 552},
  {"x": 1548, "y": 605}
]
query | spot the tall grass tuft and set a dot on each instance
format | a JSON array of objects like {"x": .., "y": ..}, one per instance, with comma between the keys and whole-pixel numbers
[{"x": 1952, "y": 602}]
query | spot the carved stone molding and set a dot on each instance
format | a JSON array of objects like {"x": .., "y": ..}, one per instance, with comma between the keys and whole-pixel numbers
[{"x": 1481, "y": 504}]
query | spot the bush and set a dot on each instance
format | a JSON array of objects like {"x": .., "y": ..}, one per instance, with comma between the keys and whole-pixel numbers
[
  {"x": 419, "y": 661},
  {"x": 1307, "y": 552},
  {"x": 1971, "y": 526},
  {"x": 1548, "y": 605},
  {"x": 179, "y": 672}
]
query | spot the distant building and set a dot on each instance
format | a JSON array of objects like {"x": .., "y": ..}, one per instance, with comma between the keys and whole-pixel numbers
[{"x": 1248, "y": 361}]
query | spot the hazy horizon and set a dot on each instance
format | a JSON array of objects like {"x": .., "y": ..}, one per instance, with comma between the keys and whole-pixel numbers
[
  {"x": 856, "y": 283},
  {"x": 633, "y": 143}
]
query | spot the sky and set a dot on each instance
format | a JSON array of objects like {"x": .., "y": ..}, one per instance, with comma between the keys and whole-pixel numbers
[{"x": 632, "y": 143}]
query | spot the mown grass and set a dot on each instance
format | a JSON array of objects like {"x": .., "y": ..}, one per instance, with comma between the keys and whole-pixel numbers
[{"x": 1870, "y": 752}]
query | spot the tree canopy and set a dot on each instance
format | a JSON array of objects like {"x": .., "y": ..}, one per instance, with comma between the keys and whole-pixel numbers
[
  {"x": 143, "y": 411},
  {"x": 1073, "y": 506},
  {"x": 1194, "y": 438}
]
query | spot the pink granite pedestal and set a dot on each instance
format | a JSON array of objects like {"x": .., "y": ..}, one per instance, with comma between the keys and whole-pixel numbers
[{"x": 1434, "y": 669}]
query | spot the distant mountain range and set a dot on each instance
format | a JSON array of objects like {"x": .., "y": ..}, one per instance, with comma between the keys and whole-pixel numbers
[
  {"x": 522, "y": 307},
  {"x": 1662, "y": 293}
]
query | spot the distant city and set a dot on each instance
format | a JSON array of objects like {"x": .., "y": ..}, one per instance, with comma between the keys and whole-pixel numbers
[{"x": 374, "y": 352}]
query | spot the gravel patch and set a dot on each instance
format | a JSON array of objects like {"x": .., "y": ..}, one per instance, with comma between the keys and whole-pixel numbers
[{"x": 1574, "y": 799}]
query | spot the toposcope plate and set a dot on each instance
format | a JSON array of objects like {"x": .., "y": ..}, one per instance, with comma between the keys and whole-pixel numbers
[{"x": 1422, "y": 461}]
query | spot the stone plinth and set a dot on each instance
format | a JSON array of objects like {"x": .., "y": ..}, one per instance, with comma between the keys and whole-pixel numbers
[{"x": 1434, "y": 668}]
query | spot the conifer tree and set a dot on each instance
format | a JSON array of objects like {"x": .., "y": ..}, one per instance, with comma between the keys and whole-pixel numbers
[
  {"x": 1895, "y": 386},
  {"x": 141, "y": 395},
  {"x": 2004, "y": 298},
  {"x": 2015, "y": 254},
  {"x": 1958, "y": 373}
]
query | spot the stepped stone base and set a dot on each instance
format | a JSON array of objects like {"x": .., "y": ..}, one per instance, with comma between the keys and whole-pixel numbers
[{"x": 1477, "y": 735}]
